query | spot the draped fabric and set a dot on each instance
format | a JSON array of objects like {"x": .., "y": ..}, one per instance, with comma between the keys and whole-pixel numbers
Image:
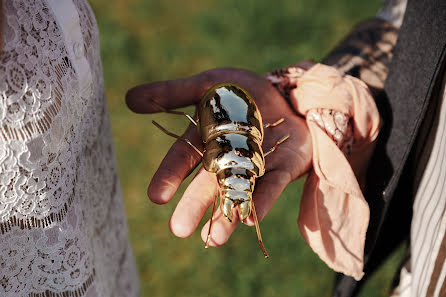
[{"x": 343, "y": 122}]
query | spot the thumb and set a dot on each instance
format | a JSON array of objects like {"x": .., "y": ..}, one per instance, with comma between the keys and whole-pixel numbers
[{"x": 173, "y": 94}]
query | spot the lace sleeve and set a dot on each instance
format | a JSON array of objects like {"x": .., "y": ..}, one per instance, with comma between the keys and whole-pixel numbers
[
  {"x": 63, "y": 230},
  {"x": 31, "y": 101}
]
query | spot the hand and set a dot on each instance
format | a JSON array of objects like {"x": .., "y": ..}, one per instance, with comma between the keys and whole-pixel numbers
[{"x": 291, "y": 159}]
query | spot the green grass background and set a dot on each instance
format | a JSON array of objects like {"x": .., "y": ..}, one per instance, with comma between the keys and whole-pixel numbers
[{"x": 147, "y": 40}]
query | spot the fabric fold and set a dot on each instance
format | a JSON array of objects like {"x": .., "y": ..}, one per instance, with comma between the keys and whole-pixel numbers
[{"x": 334, "y": 215}]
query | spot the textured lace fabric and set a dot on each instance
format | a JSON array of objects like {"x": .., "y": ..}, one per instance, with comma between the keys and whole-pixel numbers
[{"x": 63, "y": 230}]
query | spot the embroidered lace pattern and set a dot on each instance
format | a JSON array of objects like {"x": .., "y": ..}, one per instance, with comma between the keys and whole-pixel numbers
[
  {"x": 62, "y": 226},
  {"x": 336, "y": 124}
]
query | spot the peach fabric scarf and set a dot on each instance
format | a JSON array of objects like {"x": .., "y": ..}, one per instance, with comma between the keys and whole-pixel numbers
[{"x": 334, "y": 215}]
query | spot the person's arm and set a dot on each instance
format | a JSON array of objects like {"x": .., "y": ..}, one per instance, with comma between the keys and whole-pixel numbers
[
  {"x": 365, "y": 52},
  {"x": 291, "y": 160}
]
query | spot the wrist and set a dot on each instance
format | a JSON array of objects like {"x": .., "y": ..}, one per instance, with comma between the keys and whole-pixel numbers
[
  {"x": 285, "y": 79},
  {"x": 335, "y": 124}
]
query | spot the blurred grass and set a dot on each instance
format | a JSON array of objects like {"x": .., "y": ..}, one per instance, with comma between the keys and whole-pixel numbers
[{"x": 146, "y": 40}]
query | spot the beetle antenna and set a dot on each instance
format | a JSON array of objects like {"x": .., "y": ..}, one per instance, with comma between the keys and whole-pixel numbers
[
  {"x": 259, "y": 236},
  {"x": 210, "y": 224},
  {"x": 178, "y": 137},
  {"x": 191, "y": 119}
]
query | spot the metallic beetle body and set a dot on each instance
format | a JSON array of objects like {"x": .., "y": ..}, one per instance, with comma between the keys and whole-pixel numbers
[{"x": 231, "y": 129}]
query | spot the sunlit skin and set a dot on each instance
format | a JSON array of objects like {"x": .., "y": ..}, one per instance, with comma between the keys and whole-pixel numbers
[{"x": 291, "y": 160}]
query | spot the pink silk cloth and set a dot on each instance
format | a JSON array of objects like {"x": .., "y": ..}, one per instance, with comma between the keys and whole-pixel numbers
[{"x": 334, "y": 215}]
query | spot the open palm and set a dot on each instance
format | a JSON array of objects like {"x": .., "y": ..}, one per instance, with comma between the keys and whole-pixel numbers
[{"x": 288, "y": 162}]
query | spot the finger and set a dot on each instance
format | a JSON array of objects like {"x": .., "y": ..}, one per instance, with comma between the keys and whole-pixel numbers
[
  {"x": 169, "y": 94},
  {"x": 179, "y": 162},
  {"x": 221, "y": 228},
  {"x": 181, "y": 92},
  {"x": 197, "y": 198},
  {"x": 267, "y": 191}
]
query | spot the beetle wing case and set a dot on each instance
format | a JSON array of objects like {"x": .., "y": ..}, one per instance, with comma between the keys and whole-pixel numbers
[{"x": 231, "y": 128}]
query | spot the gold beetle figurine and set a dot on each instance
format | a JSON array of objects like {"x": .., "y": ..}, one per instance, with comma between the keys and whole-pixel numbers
[{"x": 231, "y": 128}]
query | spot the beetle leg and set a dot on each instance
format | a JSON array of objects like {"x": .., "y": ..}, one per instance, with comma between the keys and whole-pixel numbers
[
  {"x": 276, "y": 123},
  {"x": 175, "y": 112},
  {"x": 281, "y": 140},
  {"x": 178, "y": 137},
  {"x": 259, "y": 236},
  {"x": 210, "y": 224}
]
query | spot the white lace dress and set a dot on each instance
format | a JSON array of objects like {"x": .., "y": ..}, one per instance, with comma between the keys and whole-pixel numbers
[{"x": 63, "y": 230}]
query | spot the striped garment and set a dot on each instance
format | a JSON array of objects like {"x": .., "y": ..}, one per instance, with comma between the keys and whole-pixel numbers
[{"x": 424, "y": 272}]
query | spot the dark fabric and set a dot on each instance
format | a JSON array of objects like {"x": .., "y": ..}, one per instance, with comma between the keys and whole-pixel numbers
[{"x": 415, "y": 73}]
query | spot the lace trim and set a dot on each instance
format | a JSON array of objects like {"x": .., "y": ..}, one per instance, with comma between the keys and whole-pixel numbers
[
  {"x": 89, "y": 33},
  {"x": 29, "y": 101},
  {"x": 33, "y": 222},
  {"x": 73, "y": 293},
  {"x": 31, "y": 128},
  {"x": 48, "y": 221}
]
